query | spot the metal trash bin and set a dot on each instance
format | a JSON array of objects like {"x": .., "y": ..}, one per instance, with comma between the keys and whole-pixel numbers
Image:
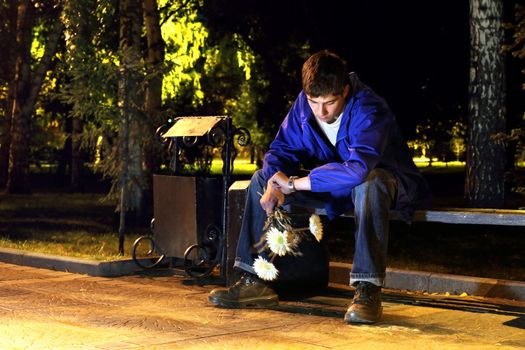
[
  {"x": 190, "y": 221},
  {"x": 187, "y": 211}
]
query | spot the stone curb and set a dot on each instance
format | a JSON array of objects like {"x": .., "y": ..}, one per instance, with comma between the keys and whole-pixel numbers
[
  {"x": 439, "y": 283},
  {"x": 69, "y": 264},
  {"x": 339, "y": 272}
]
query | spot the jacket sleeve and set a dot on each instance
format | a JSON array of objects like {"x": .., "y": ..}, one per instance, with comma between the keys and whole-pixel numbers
[
  {"x": 287, "y": 150},
  {"x": 367, "y": 137}
]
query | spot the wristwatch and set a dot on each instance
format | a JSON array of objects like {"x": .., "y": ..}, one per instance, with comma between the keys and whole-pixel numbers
[{"x": 291, "y": 185}]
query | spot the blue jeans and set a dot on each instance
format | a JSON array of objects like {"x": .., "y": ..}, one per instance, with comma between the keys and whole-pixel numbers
[{"x": 372, "y": 201}]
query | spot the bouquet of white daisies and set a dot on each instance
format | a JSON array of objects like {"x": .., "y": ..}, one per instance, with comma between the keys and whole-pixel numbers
[{"x": 281, "y": 238}]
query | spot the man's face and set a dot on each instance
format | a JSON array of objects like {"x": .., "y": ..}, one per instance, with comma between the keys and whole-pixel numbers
[{"x": 327, "y": 108}]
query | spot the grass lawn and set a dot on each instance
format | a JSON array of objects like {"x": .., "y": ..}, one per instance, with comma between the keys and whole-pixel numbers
[
  {"x": 73, "y": 243},
  {"x": 77, "y": 225}
]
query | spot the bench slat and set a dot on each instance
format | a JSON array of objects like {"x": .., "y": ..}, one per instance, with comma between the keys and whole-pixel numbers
[
  {"x": 486, "y": 217},
  {"x": 462, "y": 216}
]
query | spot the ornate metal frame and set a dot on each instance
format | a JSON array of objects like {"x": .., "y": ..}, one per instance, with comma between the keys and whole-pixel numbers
[{"x": 214, "y": 131}]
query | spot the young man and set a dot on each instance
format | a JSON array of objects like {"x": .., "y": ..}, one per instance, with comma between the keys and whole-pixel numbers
[{"x": 341, "y": 124}]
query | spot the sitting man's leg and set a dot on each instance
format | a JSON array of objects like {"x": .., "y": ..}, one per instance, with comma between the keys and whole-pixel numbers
[
  {"x": 372, "y": 200},
  {"x": 250, "y": 290}
]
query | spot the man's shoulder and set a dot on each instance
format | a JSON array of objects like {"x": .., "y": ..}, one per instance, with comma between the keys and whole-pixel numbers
[
  {"x": 300, "y": 109},
  {"x": 301, "y": 98}
]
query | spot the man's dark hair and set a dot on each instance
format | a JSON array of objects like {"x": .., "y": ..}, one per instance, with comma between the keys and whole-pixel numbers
[{"x": 324, "y": 73}]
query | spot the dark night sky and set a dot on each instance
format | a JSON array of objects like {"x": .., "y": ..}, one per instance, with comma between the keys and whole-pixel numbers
[{"x": 413, "y": 53}]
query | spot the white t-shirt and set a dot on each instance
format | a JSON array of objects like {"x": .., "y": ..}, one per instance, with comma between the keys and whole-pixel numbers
[{"x": 330, "y": 130}]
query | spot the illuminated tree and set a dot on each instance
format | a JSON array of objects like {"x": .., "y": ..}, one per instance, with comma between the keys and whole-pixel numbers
[
  {"x": 457, "y": 139},
  {"x": 209, "y": 72},
  {"x": 78, "y": 30},
  {"x": 88, "y": 82},
  {"x": 174, "y": 67},
  {"x": 168, "y": 67}
]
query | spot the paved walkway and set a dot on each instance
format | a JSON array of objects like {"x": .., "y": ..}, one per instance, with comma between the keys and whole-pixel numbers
[{"x": 44, "y": 309}]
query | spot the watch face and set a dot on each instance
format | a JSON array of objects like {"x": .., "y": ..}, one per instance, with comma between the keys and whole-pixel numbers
[{"x": 291, "y": 186}]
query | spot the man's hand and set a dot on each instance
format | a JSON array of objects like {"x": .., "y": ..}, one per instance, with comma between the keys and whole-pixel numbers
[
  {"x": 279, "y": 181},
  {"x": 270, "y": 199},
  {"x": 278, "y": 187},
  {"x": 275, "y": 191}
]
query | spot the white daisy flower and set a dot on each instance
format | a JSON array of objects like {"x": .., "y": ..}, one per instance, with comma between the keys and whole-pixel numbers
[
  {"x": 277, "y": 241},
  {"x": 265, "y": 269},
  {"x": 316, "y": 227}
]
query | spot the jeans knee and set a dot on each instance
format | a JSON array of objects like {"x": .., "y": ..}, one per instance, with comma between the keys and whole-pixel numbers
[
  {"x": 258, "y": 182},
  {"x": 380, "y": 185}
]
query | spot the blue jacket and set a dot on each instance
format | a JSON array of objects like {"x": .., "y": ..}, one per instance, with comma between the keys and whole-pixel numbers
[{"x": 368, "y": 137}]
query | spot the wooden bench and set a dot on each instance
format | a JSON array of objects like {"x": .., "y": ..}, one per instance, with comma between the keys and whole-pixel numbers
[
  {"x": 504, "y": 217},
  {"x": 237, "y": 195}
]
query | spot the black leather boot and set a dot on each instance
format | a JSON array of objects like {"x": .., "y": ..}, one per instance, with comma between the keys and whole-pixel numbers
[{"x": 248, "y": 291}]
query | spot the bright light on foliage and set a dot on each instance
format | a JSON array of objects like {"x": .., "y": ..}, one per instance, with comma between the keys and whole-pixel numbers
[
  {"x": 245, "y": 57},
  {"x": 185, "y": 39},
  {"x": 38, "y": 44},
  {"x": 201, "y": 73}
]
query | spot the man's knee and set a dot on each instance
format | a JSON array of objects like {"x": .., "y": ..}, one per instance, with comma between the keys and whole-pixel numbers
[
  {"x": 258, "y": 181},
  {"x": 380, "y": 183}
]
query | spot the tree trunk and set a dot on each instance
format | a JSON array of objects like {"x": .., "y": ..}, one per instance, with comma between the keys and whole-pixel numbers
[
  {"x": 5, "y": 142},
  {"x": 484, "y": 181},
  {"x": 79, "y": 34},
  {"x": 154, "y": 60},
  {"x": 153, "y": 97},
  {"x": 27, "y": 85},
  {"x": 18, "y": 170},
  {"x": 5, "y": 138},
  {"x": 130, "y": 100},
  {"x": 76, "y": 160}
]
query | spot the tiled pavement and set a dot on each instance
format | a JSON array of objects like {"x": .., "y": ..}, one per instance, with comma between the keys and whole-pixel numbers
[{"x": 44, "y": 309}]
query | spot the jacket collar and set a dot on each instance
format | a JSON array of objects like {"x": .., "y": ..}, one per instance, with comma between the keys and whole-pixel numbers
[{"x": 356, "y": 86}]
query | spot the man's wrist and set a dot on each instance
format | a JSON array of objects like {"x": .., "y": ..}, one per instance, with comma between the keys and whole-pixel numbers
[{"x": 291, "y": 183}]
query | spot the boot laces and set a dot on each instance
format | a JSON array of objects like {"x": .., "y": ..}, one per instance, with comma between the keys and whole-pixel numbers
[
  {"x": 245, "y": 280},
  {"x": 364, "y": 293}
]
